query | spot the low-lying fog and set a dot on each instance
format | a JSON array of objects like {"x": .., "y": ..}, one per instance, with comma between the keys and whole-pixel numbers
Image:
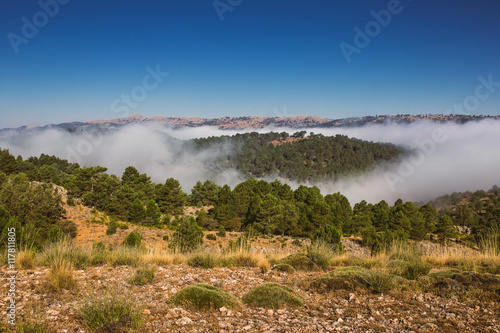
[{"x": 447, "y": 157}]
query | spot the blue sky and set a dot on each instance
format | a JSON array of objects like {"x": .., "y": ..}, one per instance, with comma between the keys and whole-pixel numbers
[{"x": 265, "y": 58}]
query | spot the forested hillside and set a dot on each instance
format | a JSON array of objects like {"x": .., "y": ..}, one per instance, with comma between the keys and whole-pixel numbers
[
  {"x": 300, "y": 157},
  {"x": 29, "y": 200}
]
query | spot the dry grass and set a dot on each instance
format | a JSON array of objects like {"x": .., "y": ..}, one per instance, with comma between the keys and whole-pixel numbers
[
  {"x": 25, "y": 259},
  {"x": 158, "y": 257},
  {"x": 60, "y": 275}
]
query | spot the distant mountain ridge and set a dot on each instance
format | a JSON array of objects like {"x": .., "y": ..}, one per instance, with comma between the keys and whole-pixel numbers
[{"x": 239, "y": 123}]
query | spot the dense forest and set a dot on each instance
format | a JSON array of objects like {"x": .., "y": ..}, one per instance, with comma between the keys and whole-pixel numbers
[
  {"x": 300, "y": 157},
  {"x": 30, "y": 201}
]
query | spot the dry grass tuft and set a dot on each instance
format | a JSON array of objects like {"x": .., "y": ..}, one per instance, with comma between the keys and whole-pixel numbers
[
  {"x": 60, "y": 275},
  {"x": 25, "y": 259}
]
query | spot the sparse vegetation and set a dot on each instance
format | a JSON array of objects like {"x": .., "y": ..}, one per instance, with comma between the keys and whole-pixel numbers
[
  {"x": 113, "y": 311},
  {"x": 143, "y": 276},
  {"x": 202, "y": 296},
  {"x": 272, "y": 296},
  {"x": 299, "y": 261},
  {"x": 133, "y": 239}
]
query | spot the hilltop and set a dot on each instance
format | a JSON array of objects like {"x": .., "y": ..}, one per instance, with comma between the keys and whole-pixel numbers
[{"x": 240, "y": 123}]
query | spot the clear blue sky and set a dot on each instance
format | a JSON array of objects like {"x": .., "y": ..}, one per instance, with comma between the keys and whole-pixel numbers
[{"x": 265, "y": 58}]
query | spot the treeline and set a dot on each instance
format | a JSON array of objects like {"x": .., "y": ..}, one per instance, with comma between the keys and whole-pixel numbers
[
  {"x": 299, "y": 157},
  {"x": 477, "y": 211},
  {"x": 30, "y": 201}
]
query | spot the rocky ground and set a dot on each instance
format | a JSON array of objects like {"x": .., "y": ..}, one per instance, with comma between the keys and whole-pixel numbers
[{"x": 339, "y": 311}]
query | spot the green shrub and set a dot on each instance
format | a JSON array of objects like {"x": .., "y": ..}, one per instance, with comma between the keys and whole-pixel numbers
[
  {"x": 99, "y": 253},
  {"x": 241, "y": 245},
  {"x": 445, "y": 274},
  {"x": 299, "y": 261},
  {"x": 330, "y": 235},
  {"x": 143, "y": 276},
  {"x": 123, "y": 226},
  {"x": 211, "y": 237},
  {"x": 133, "y": 239},
  {"x": 378, "y": 281},
  {"x": 272, "y": 296},
  {"x": 321, "y": 253},
  {"x": 70, "y": 200},
  {"x": 98, "y": 246},
  {"x": 111, "y": 230},
  {"x": 187, "y": 237},
  {"x": 296, "y": 242},
  {"x": 284, "y": 268},
  {"x": 113, "y": 311},
  {"x": 54, "y": 235},
  {"x": 222, "y": 231},
  {"x": 202, "y": 296},
  {"x": 410, "y": 268}
]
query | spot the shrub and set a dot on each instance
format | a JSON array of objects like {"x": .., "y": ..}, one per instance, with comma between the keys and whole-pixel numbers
[
  {"x": 284, "y": 268},
  {"x": 222, "y": 231},
  {"x": 187, "y": 237},
  {"x": 202, "y": 296},
  {"x": 70, "y": 201},
  {"x": 409, "y": 267},
  {"x": 330, "y": 235},
  {"x": 165, "y": 237},
  {"x": 205, "y": 260},
  {"x": 123, "y": 226},
  {"x": 296, "y": 242},
  {"x": 351, "y": 278},
  {"x": 378, "y": 281},
  {"x": 241, "y": 245},
  {"x": 272, "y": 296},
  {"x": 143, "y": 276},
  {"x": 114, "y": 311},
  {"x": 445, "y": 274},
  {"x": 299, "y": 261},
  {"x": 98, "y": 246},
  {"x": 211, "y": 237},
  {"x": 133, "y": 239},
  {"x": 321, "y": 253},
  {"x": 54, "y": 235},
  {"x": 61, "y": 275},
  {"x": 111, "y": 230}
]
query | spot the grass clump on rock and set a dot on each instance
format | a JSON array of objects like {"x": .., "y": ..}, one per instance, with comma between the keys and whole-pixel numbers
[
  {"x": 201, "y": 296},
  {"x": 272, "y": 296},
  {"x": 143, "y": 276},
  {"x": 355, "y": 277},
  {"x": 299, "y": 261},
  {"x": 113, "y": 311}
]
